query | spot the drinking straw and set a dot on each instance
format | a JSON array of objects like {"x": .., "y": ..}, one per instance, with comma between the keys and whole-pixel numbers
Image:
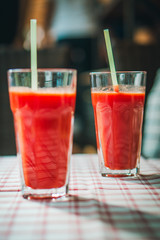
[
  {"x": 33, "y": 30},
  {"x": 111, "y": 59}
]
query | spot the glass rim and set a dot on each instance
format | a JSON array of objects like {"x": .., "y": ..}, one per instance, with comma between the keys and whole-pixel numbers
[
  {"x": 117, "y": 72},
  {"x": 39, "y": 70}
]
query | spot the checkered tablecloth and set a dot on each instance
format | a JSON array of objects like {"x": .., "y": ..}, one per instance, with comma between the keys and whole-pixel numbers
[{"x": 98, "y": 208}]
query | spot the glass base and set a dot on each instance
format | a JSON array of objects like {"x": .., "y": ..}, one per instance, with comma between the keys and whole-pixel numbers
[
  {"x": 106, "y": 172},
  {"x": 53, "y": 193}
]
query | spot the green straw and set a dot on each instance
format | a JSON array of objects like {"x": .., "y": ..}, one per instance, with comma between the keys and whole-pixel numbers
[
  {"x": 33, "y": 26},
  {"x": 110, "y": 57}
]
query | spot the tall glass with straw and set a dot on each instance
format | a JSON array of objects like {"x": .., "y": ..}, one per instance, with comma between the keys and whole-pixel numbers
[
  {"x": 43, "y": 103},
  {"x": 118, "y": 103}
]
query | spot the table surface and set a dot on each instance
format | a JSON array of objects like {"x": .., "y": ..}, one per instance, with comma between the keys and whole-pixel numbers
[{"x": 97, "y": 208}]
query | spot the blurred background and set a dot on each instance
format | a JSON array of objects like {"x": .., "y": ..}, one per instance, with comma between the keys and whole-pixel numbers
[{"x": 70, "y": 35}]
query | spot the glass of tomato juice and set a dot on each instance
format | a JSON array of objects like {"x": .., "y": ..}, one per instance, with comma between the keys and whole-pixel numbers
[
  {"x": 118, "y": 114},
  {"x": 43, "y": 120}
]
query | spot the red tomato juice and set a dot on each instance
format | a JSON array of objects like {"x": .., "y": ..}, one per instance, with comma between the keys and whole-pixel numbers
[
  {"x": 43, "y": 126},
  {"x": 118, "y": 123}
]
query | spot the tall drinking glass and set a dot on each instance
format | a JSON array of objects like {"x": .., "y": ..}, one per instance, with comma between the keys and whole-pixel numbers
[
  {"x": 118, "y": 114},
  {"x": 43, "y": 121}
]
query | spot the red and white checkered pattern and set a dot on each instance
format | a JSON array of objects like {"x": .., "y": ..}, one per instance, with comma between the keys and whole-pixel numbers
[{"x": 98, "y": 208}]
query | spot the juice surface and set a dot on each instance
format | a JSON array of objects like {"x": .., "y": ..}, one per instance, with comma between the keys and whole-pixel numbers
[
  {"x": 118, "y": 120},
  {"x": 43, "y": 124}
]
